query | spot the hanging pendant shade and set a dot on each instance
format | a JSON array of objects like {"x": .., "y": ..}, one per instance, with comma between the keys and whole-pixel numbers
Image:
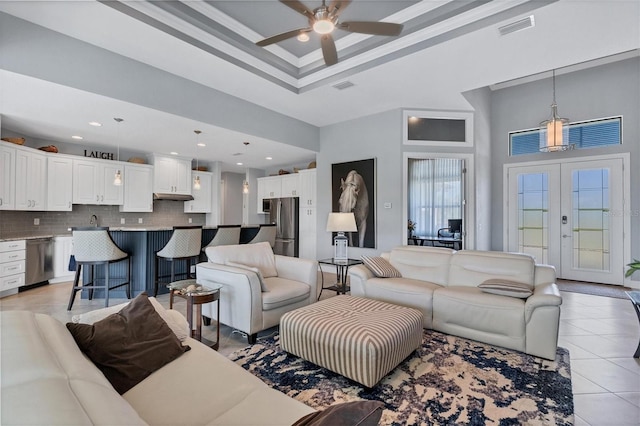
[{"x": 554, "y": 132}]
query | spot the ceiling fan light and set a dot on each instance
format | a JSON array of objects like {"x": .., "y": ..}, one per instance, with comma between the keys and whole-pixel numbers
[
  {"x": 303, "y": 37},
  {"x": 323, "y": 26}
]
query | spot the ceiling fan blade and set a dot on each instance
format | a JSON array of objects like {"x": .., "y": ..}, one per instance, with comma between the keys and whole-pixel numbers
[
  {"x": 329, "y": 50},
  {"x": 375, "y": 28},
  {"x": 337, "y": 6},
  {"x": 279, "y": 37},
  {"x": 298, "y": 7}
]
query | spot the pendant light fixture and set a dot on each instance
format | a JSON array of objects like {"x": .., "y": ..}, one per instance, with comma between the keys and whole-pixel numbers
[
  {"x": 245, "y": 187},
  {"x": 554, "y": 132},
  {"x": 196, "y": 180},
  {"x": 117, "y": 179}
]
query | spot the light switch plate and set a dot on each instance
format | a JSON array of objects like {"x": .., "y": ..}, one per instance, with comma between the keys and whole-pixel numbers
[{"x": 36, "y": 221}]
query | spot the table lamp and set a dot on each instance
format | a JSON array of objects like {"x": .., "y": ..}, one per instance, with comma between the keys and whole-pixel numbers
[{"x": 341, "y": 223}]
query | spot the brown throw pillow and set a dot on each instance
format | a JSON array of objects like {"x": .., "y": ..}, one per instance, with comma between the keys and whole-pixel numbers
[
  {"x": 355, "y": 413},
  {"x": 380, "y": 267},
  {"x": 129, "y": 345},
  {"x": 506, "y": 288}
]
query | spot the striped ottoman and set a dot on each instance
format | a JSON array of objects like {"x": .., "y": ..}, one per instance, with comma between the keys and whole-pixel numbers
[{"x": 362, "y": 339}]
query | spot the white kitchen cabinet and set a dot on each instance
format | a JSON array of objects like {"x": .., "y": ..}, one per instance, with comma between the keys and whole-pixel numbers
[
  {"x": 171, "y": 175},
  {"x": 307, "y": 187},
  {"x": 289, "y": 185},
  {"x": 12, "y": 264},
  {"x": 59, "y": 183},
  {"x": 138, "y": 188},
  {"x": 7, "y": 176},
  {"x": 272, "y": 187},
  {"x": 201, "y": 202},
  {"x": 62, "y": 249},
  {"x": 307, "y": 222},
  {"x": 30, "y": 180},
  {"x": 93, "y": 182}
]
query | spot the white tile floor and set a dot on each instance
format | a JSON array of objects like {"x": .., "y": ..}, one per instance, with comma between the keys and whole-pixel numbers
[{"x": 601, "y": 334}]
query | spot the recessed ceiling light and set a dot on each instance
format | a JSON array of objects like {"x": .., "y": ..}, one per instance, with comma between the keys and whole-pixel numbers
[
  {"x": 268, "y": 158},
  {"x": 303, "y": 37},
  {"x": 77, "y": 137},
  {"x": 239, "y": 164},
  {"x": 201, "y": 144},
  {"x": 95, "y": 124},
  {"x": 173, "y": 153}
]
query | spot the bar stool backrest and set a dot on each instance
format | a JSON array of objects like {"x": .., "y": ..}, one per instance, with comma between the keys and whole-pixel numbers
[
  {"x": 267, "y": 232},
  {"x": 186, "y": 241},
  {"x": 226, "y": 235},
  {"x": 94, "y": 244}
]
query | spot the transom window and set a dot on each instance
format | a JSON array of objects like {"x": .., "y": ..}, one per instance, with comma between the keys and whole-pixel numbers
[{"x": 582, "y": 135}]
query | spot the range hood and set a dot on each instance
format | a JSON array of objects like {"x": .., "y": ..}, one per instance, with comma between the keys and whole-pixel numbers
[{"x": 171, "y": 196}]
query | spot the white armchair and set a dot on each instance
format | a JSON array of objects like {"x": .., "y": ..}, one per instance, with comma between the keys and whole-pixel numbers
[{"x": 258, "y": 287}]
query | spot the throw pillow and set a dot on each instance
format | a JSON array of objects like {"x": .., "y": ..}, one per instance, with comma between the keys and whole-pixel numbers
[
  {"x": 360, "y": 413},
  {"x": 129, "y": 345},
  {"x": 263, "y": 285},
  {"x": 175, "y": 320},
  {"x": 380, "y": 267},
  {"x": 506, "y": 288}
]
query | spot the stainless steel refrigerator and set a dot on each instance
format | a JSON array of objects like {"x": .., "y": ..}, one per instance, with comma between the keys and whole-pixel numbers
[{"x": 284, "y": 213}]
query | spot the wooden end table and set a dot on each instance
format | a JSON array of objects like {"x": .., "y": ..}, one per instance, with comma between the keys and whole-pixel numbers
[{"x": 195, "y": 295}]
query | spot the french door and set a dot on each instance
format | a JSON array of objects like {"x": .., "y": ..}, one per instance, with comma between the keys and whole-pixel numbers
[{"x": 569, "y": 215}]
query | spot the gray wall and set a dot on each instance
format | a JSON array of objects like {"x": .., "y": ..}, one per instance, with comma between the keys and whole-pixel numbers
[
  {"x": 603, "y": 91},
  {"x": 233, "y": 198}
]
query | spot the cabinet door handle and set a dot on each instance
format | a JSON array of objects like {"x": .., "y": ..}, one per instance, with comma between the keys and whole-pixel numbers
[
  {"x": 12, "y": 268},
  {"x": 0, "y": 201},
  {"x": 102, "y": 198},
  {"x": 69, "y": 204},
  {"x": 97, "y": 198}
]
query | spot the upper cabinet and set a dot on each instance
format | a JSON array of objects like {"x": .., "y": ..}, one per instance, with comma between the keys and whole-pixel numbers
[
  {"x": 171, "y": 174},
  {"x": 7, "y": 177},
  {"x": 138, "y": 188},
  {"x": 307, "y": 185},
  {"x": 30, "y": 180},
  {"x": 59, "y": 183},
  {"x": 290, "y": 185},
  {"x": 93, "y": 182},
  {"x": 201, "y": 197}
]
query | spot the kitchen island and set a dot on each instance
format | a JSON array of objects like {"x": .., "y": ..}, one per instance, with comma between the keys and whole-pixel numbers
[{"x": 143, "y": 243}]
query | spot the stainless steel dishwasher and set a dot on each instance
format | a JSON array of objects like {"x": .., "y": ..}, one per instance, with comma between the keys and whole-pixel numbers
[{"x": 39, "y": 261}]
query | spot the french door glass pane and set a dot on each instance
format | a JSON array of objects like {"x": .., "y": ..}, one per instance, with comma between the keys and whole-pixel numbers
[
  {"x": 533, "y": 215},
  {"x": 591, "y": 219}
]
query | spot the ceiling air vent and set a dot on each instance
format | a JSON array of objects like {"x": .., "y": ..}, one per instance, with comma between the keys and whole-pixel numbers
[
  {"x": 343, "y": 85},
  {"x": 519, "y": 25}
]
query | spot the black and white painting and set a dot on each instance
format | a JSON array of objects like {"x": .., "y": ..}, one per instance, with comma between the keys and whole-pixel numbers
[{"x": 353, "y": 190}]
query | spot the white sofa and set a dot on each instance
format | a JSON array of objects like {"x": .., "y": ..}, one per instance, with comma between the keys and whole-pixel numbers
[
  {"x": 46, "y": 380},
  {"x": 258, "y": 287},
  {"x": 443, "y": 284}
]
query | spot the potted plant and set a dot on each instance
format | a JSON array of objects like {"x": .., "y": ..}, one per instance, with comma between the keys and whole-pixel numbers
[
  {"x": 411, "y": 226},
  {"x": 633, "y": 267}
]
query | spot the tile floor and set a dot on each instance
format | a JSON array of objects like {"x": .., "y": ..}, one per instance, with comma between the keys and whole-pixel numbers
[{"x": 601, "y": 334}]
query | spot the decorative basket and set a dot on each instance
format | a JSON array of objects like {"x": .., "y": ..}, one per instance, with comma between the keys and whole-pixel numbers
[
  {"x": 49, "y": 148},
  {"x": 137, "y": 160},
  {"x": 17, "y": 141},
  {"x": 312, "y": 165}
]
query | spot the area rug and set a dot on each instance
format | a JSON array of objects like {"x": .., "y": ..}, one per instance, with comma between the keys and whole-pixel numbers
[
  {"x": 448, "y": 381},
  {"x": 606, "y": 290}
]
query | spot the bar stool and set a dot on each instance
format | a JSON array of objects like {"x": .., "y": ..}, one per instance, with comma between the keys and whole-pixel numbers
[
  {"x": 184, "y": 245},
  {"x": 225, "y": 235},
  {"x": 266, "y": 232},
  {"x": 93, "y": 246}
]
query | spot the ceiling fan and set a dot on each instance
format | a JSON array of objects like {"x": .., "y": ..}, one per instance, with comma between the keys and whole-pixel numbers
[{"x": 323, "y": 20}]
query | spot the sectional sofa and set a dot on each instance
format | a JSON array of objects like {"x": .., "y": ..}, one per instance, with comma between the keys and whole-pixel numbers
[
  {"x": 47, "y": 380},
  {"x": 447, "y": 286}
]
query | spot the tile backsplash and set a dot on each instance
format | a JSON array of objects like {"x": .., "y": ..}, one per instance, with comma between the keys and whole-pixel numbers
[{"x": 17, "y": 224}]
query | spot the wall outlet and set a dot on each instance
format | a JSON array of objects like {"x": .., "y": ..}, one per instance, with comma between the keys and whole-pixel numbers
[
  {"x": 139, "y": 220},
  {"x": 190, "y": 220},
  {"x": 122, "y": 221},
  {"x": 36, "y": 221}
]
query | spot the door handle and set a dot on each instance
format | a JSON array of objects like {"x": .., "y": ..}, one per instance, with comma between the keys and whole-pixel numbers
[{"x": 566, "y": 236}]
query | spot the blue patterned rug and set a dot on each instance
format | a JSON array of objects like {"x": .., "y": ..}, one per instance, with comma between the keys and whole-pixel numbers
[{"x": 448, "y": 381}]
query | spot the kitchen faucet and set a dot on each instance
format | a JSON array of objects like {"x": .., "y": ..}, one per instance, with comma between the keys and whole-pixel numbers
[{"x": 93, "y": 220}]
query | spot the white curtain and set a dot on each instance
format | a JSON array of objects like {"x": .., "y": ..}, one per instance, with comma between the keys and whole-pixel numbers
[{"x": 435, "y": 193}]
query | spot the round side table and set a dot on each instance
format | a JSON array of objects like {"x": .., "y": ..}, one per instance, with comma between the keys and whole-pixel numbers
[{"x": 195, "y": 295}]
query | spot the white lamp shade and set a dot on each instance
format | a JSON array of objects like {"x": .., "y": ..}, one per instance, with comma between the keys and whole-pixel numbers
[{"x": 341, "y": 222}]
